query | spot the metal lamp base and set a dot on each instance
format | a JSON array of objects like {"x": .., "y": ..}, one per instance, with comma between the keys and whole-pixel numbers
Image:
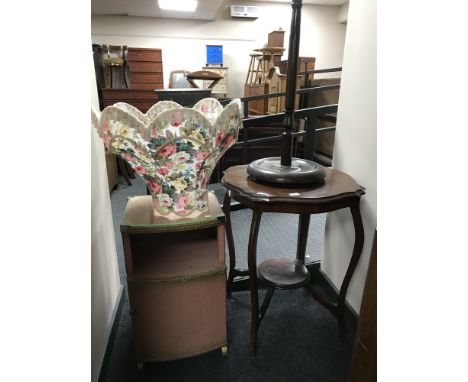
[{"x": 302, "y": 172}]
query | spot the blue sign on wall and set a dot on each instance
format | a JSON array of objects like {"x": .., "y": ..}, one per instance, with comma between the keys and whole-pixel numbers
[{"x": 214, "y": 54}]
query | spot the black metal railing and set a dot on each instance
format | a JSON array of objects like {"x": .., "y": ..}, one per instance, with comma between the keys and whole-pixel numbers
[{"x": 309, "y": 115}]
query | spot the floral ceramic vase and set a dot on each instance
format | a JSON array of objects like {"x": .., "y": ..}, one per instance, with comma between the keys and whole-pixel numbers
[{"x": 173, "y": 148}]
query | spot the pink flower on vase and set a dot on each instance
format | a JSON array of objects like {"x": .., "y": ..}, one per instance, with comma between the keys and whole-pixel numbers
[
  {"x": 219, "y": 138},
  {"x": 202, "y": 155},
  {"x": 204, "y": 108},
  {"x": 105, "y": 134},
  {"x": 169, "y": 164},
  {"x": 182, "y": 202},
  {"x": 128, "y": 157},
  {"x": 140, "y": 170},
  {"x": 105, "y": 128},
  {"x": 181, "y": 156},
  {"x": 198, "y": 165},
  {"x": 106, "y": 140},
  {"x": 176, "y": 122},
  {"x": 229, "y": 140},
  {"x": 167, "y": 150},
  {"x": 155, "y": 187},
  {"x": 203, "y": 181},
  {"x": 163, "y": 171}
]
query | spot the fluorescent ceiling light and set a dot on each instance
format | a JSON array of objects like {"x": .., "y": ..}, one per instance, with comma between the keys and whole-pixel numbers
[{"x": 178, "y": 5}]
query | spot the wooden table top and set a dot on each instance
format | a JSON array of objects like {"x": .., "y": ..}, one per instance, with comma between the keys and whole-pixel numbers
[
  {"x": 271, "y": 50},
  {"x": 337, "y": 184}
]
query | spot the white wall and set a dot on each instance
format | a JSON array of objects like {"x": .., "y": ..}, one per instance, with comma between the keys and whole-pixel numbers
[
  {"x": 105, "y": 282},
  {"x": 355, "y": 150},
  {"x": 183, "y": 41},
  {"x": 343, "y": 13}
]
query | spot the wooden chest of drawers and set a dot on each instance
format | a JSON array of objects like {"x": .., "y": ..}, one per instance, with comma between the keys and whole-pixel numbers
[
  {"x": 145, "y": 68},
  {"x": 140, "y": 98}
]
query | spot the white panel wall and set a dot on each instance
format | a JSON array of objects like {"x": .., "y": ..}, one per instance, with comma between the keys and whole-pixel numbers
[
  {"x": 355, "y": 147},
  {"x": 183, "y": 41},
  {"x": 105, "y": 282}
]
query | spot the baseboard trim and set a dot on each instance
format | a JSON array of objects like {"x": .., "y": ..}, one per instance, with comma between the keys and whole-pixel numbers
[
  {"x": 110, "y": 341},
  {"x": 320, "y": 280}
]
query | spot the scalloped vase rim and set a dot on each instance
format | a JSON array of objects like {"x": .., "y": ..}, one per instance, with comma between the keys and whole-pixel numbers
[{"x": 173, "y": 148}]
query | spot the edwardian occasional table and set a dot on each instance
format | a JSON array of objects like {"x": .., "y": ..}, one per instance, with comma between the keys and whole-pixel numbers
[{"x": 338, "y": 191}]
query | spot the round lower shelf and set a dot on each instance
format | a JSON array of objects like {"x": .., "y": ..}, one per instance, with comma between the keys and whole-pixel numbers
[{"x": 281, "y": 273}]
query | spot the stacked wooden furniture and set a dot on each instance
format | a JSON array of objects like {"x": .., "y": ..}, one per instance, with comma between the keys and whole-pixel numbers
[
  {"x": 176, "y": 277},
  {"x": 305, "y": 64},
  {"x": 276, "y": 39},
  {"x": 262, "y": 62},
  {"x": 145, "y": 75},
  {"x": 276, "y": 82}
]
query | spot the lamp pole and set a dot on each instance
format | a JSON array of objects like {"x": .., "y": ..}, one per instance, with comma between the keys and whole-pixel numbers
[
  {"x": 291, "y": 81},
  {"x": 286, "y": 170}
]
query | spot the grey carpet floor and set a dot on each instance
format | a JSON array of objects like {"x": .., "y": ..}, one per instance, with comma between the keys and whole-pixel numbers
[{"x": 297, "y": 341}]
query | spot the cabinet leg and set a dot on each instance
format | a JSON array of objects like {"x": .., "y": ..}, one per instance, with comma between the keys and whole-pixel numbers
[{"x": 230, "y": 241}]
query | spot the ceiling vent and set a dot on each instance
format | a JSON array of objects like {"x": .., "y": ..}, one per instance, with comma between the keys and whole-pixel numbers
[{"x": 248, "y": 12}]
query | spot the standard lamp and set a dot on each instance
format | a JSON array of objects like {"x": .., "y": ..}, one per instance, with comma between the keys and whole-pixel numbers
[{"x": 286, "y": 170}]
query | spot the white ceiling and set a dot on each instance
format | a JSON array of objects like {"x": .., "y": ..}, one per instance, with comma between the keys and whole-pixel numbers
[{"x": 206, "y": 10}]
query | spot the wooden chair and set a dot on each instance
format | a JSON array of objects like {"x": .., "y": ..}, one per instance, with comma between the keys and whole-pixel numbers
[{"x": 115, "y": 59}]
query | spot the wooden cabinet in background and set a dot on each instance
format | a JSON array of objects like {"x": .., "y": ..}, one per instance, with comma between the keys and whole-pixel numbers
[
  {"x": 304, "y": 64},
  {"x": 221, "y": 88},
  {"x": 276, "y": 83},
  {"x": 276, "y": 39},
  {"x": 257, "y": 107},
  {"x": 145, "y": 68},
  {"x": 140, "y": 98}
]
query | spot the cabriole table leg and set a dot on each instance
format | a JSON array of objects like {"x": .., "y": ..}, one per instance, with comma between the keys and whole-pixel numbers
[{"x": 252, "y": 260}]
